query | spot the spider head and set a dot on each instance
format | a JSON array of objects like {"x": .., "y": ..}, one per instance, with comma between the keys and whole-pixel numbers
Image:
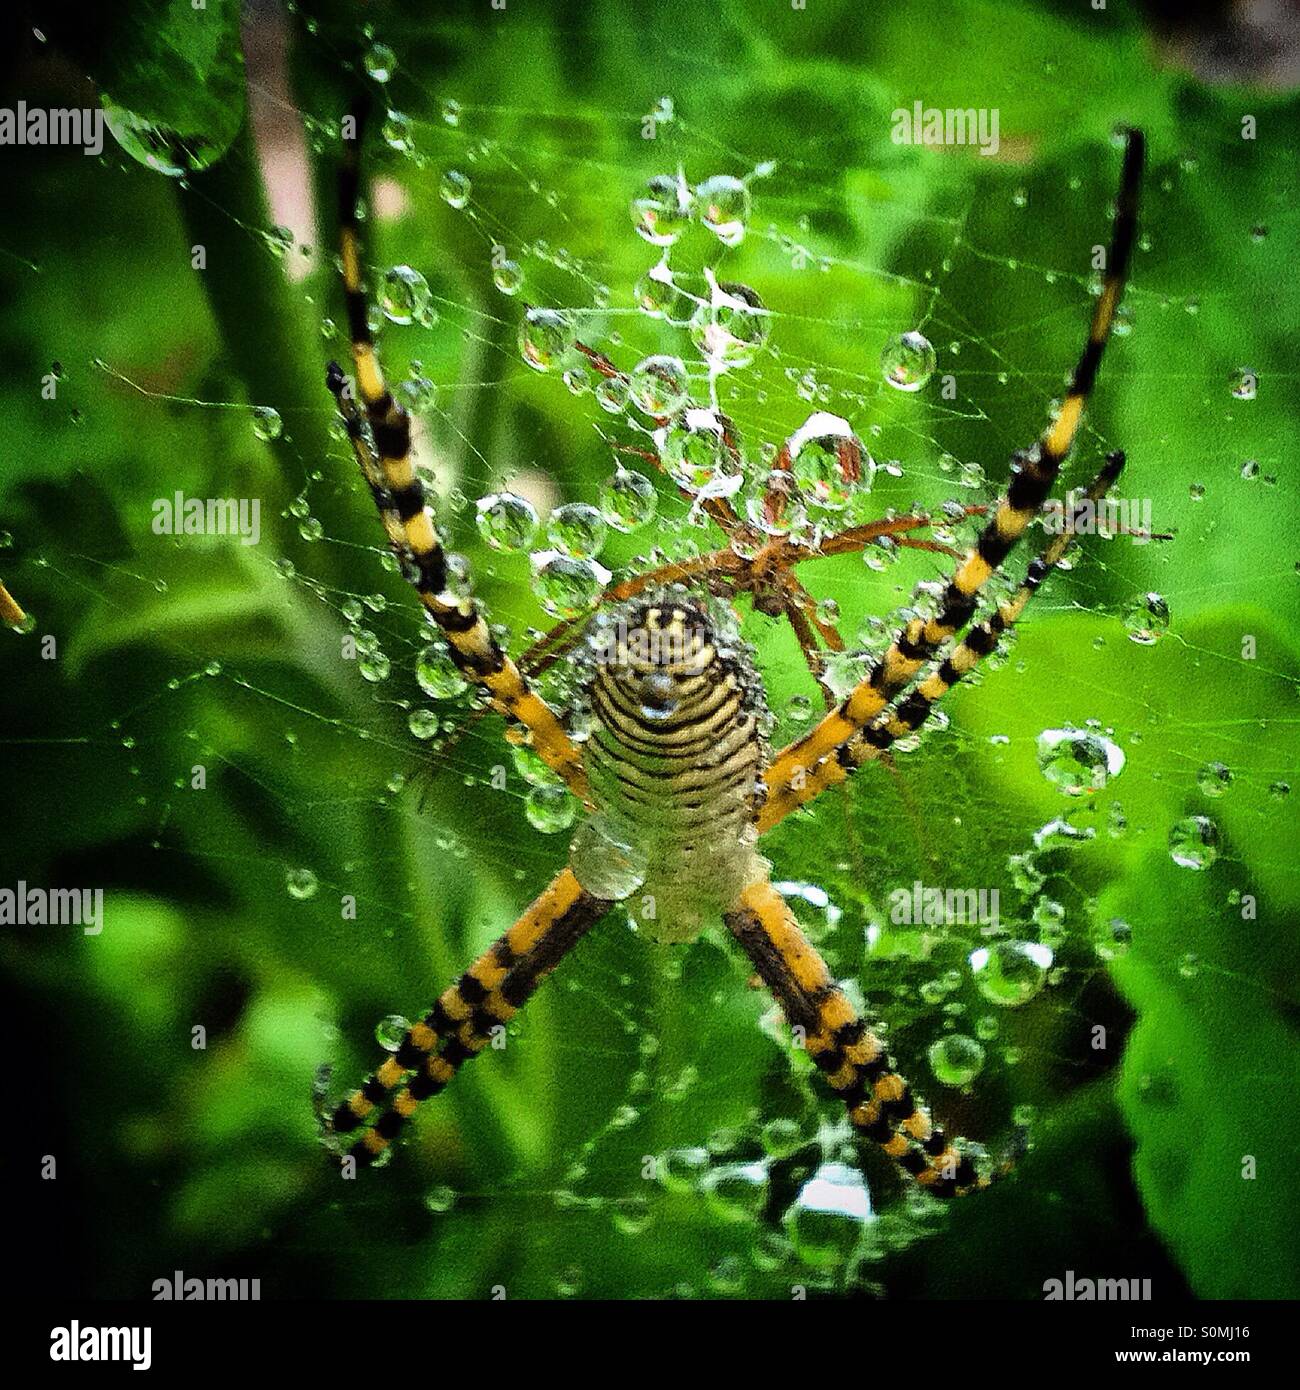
[{"x": 658, "y": 646}]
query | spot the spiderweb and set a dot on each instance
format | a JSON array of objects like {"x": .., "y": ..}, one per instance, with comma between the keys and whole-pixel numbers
[{"x": 303, "y": 825}]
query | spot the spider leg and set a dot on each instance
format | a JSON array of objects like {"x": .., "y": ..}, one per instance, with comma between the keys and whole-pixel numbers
[
  {"x": 1033, "y": 473},
  {"x": 807, "y": 640},
  {"x": 460, "y": 1025},
  {"x": 11, "y": 611},
  {"x": 852, "y": 1059},
  {"x": 868, "y": 744},
  {"x": 405, "y": 514}
]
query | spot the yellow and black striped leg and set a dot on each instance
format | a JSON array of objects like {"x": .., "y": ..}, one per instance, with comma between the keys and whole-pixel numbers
[
  {"x": 854, "y": 1062},
  {"x": 461, "y": 1023},
  {"x": 914, "y": 709},
  {"x": 11, "y": 611},
  {"x": 1033, "y": 473},
  {"x": 385, "y": 461}
]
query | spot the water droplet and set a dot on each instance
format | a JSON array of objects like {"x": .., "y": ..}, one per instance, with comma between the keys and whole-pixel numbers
[
  {"x": 1194, "y": 842},
  {"x": 1146, "y": 619},
  {"x": 1112, "y": 939},
  {"x": 566, "y": 587},
  {"x": 267, "y": 424},
  {"x": 694, "y": 451},
  {"x": 455, "y": 188},
  {"x": 828, "y": 462},
  {"x": 1243, "y": 383},
  {"x": 437, "y": 674},
  {"x": 406, "y": 298},
  {"x": 628, "y": 500},
  {"x": 956, "y": 1060},
  {"x": 374, "y": 666},
  {"x": 440, "y": 1199},
  {"x": 1010, "y": 973},
  {"x": 825, "y": 1221},
  {"x": 422, "y": 722},
  {"x": 658, "y": 385},
  {"x": 162, "y": 149},
  {"x": 391, "y": 1031},
  {"x": 908, "y": 361},
  {"x": 507, "y": 276},
  {"x": 604, "y": 862},
  {"x": 380, "y": 61},
  {"x": 507, "y": 521},
  {"x": 450, "y": 112},
  {"x": 1077, "y": 761},
  {"x": 1214, "y": 779},
  {"x": 612, "y": 394},
  {"x": 545, "y": 337},
  {"x": 736, "y": 1191},
  {"x": 577, "y": 529},
  {"x": 301, "y": 883},
  {"x": 550, "y": 808},
  {"x": 731, "y": 328},
  {"x": 661, "y": 214},
  {"x": 722, "y": 205},
  {"x": 398, "y": 133}
]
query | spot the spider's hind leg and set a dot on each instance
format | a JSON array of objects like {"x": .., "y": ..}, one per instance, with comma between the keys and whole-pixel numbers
[
  {"x": 462, "y": 1023},
  {"x": 852, "y": 1059}
]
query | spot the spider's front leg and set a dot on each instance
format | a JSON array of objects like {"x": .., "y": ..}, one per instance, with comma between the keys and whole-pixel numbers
[
  {"x": 384, "y": 456},
  {"x": 853, "y": 1060},
  {"x": 1034, "y": 471},
  {"x": 462, "y": 1023}
]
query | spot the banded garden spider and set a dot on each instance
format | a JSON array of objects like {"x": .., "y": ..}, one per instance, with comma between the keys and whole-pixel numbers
[{"x": 675, "y": 775}]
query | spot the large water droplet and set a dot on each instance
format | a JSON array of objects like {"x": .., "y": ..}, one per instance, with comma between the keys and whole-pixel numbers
[
  {"x": 564, "y": 586},
  {"x": 908, "y": 361},
  {"x": 577, "y": 530},
  {"x": 956, "y": 1060},
  {"x": 507, "y": 521},
  {"x": 1194, "y": 842},
  {"x": 550, "y": 808},
  {"x": 729, "y": 330},
  {"x": 545, "y": 337},
  {"x": 825, "y": 1221},
  {"x": 722, "y": 205},
  {"x": 661, "y": 214},
  {"x": 1146, "y": 619},
  {"x": 406, "y": 298},
  {"x": 658, "y": 385},
  {"x": 605, "y": 862},
  {"x": 628, "y": 500},
  {"x": 437, "y": 674},
  {"x": 1010, "y": 973},
  {"x": 828, "y": 462},
  {"x": 1077, "y": 761}
]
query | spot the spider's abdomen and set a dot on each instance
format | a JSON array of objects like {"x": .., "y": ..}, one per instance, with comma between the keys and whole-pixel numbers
[{"x": 674, "y": 757}]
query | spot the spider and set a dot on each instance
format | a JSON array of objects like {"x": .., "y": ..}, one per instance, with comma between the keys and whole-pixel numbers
[{"x": 675, "y": 775}]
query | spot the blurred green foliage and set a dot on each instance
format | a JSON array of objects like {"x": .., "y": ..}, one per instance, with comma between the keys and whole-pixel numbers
[{"x": 529, "y": 1173}]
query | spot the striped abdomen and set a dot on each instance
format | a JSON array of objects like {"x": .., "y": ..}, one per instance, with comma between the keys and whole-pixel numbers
[{"x": 675, "y": 755}]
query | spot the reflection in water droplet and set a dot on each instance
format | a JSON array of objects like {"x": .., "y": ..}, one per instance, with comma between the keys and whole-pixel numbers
[
  {"x": 1194, "y": 842},
  {"x": 301, "y": 883}
]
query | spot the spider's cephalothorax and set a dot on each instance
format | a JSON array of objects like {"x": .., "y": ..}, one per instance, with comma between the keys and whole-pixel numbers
[
  {"x": 668, "y": 751},
  {"x": 675, "y": 755}
]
